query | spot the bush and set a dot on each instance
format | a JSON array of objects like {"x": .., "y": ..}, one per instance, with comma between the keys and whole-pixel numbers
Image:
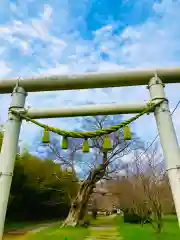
[{"x": 131, "y": 217}]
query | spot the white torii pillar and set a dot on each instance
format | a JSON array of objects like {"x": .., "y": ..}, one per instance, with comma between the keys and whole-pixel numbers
[
  {"x": 168, "y": 139},
  {"x": 9, "y": 152}
]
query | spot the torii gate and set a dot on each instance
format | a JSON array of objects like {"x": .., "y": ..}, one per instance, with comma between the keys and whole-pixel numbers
[{"x": 153, "y": 78}]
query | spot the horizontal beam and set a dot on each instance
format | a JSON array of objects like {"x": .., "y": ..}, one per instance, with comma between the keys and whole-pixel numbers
[
  {"x": 87, "y": 110},
  {"x": 91, "y": 80}
]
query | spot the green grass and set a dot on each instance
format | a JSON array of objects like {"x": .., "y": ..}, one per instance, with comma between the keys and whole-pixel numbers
[
  {"x": 105, "y": 233},
  {"x": 103, "y": 220},
  {"x": 18, "y": 225},
  {"x": 54, "y": 232},
  {"x": 57, "y": 233},
  {"x": 170, "y": 230}
]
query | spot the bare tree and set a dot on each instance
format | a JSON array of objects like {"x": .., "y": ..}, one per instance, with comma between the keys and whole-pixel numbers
[
  {"x": 96, "y": 165},
  {"x": 145, "y": 187},
  {"x": 150, "y": 173}
]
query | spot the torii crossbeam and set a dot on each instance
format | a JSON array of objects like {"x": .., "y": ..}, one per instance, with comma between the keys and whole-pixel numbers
[{"x": 154, "y": 78}]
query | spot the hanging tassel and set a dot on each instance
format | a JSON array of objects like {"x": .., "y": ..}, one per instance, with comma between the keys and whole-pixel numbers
[
  {"x": 46, "y": 137},
  {"x": 107, "y": 145},
  {"x": 127, "y": 133},
  {"x": 85, "y": 147},
  {"x": 65, "y": 143}
]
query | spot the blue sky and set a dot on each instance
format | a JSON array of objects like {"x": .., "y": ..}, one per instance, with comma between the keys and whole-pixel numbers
[{"x": 58, "y": 37}]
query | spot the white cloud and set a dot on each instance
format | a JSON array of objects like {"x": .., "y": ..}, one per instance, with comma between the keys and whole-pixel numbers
[
  {"x": 47, "y": 12},
  {"x": 150, "y": 44},
  {"x": 59, "y": 69},
  {"x": 34, "y": 28},
  {"x": 156, "y": 42},
  {"x": 4, "y": 69}
]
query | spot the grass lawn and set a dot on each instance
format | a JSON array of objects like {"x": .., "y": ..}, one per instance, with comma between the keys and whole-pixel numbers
[
  {"x": 119, "y": 231},
  {"x": 54, "y": 232},
  {"x": 57, "y": 233},
  {"x": 20, "y": 225},
  {"x": 104, "y": 220},
  {"x": 170, "y": 231}
]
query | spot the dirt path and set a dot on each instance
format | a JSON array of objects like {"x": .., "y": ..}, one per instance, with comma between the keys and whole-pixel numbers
[
  {"x": 21, "y": 232},
  {"x": 103, "y": 232}
]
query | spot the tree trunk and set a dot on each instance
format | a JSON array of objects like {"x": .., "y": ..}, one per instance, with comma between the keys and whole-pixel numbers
[{"x": 79, "y": 204}]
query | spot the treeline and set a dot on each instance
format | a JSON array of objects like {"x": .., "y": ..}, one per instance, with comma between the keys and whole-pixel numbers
[{"x": 40, "y": 190}]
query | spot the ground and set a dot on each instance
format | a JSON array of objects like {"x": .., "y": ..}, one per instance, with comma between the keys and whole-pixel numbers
[
  {"x": 105, "y": 227},
  {"x": 170, "y": 231}
]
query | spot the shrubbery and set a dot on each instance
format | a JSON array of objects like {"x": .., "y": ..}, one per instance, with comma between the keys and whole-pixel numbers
[{"x": 131, "y": 217}]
